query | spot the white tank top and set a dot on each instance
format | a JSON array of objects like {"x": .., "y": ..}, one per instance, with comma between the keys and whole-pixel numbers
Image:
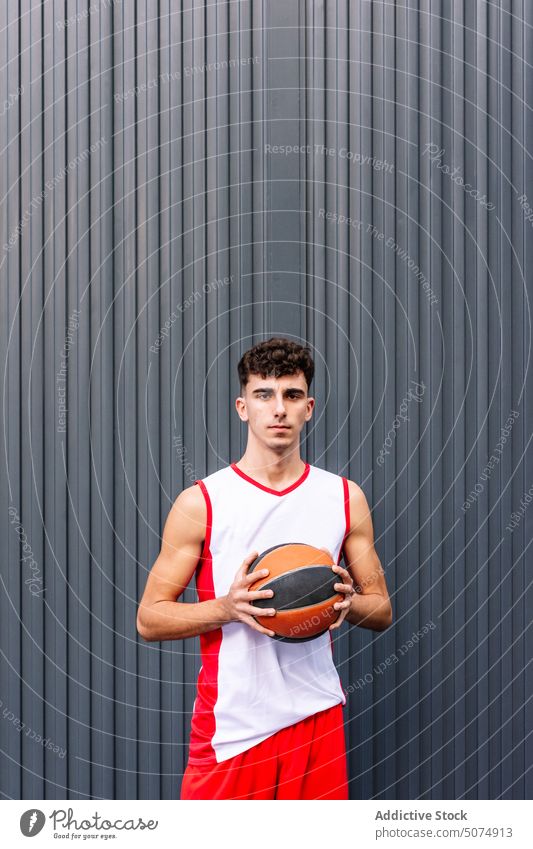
[{"x": 251, "y": 685}]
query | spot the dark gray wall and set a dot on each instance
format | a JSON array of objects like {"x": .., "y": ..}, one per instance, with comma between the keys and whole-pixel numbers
[{"x": 141, "y": 195}]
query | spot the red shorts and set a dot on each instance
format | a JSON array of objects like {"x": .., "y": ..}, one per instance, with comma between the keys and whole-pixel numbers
[{"x": 304, "y": 761}]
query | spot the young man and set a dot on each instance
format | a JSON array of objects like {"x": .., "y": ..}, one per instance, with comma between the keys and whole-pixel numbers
[{"x": 267, "y": 721}]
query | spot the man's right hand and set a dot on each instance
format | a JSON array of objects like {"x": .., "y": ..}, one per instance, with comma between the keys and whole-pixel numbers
[{"x": 238, "y": 602}]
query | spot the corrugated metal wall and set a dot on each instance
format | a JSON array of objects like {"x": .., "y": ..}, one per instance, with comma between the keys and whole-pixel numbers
[{"x": 178, "y": 183}]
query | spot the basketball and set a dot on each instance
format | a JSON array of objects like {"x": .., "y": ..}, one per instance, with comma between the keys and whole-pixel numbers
[{"x": 302, "y": 581}]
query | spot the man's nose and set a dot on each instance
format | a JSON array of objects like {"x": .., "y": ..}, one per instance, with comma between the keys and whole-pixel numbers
[{"x": 280, "y": 405}]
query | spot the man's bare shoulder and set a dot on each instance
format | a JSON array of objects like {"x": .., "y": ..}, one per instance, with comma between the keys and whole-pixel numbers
[
  {"x": 360, "y": 517},
  {"x": 189, "y": 513}
]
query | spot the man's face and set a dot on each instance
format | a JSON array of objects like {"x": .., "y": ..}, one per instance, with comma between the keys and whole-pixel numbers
[{"x": 276, "y": 408}]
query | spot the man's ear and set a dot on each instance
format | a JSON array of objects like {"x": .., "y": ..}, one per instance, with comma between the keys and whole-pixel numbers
[
  {"x": 240, "y": 406},
  {"x": 310, "y": 406}
]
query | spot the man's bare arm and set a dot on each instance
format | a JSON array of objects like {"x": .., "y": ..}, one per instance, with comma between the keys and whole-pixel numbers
[
  {"x": 370, "y": 606},
  {"x": 160, "y": 615}
]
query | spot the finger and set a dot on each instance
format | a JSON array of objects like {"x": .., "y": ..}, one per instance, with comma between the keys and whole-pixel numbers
[
  {"x": 345, "y": 578},
  {"x": 342, "y": 615},
  {"x": 251, "y": 557},
  {"x": 338, "y": 622},
  {"x": 241, "y": 571},
  {"x": 257, "y": 611},
  {"x": 257, "y": 627},
  {"x": 248, "y": 560},
  {"x": 253, "y": 594},
  {"x": 255, "y": 575},
  {"x": 342, "y": 573},
  {"x": 342, "y": 605},
  {"x": 345, "y": 588},
  {"x": 243, "y": 596},
  {"x": 243, "y": 568}
]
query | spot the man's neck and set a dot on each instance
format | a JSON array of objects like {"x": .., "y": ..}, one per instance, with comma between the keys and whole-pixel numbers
[{"x": 276, "y": 472}]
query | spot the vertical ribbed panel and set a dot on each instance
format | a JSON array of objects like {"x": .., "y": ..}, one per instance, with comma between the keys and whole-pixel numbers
[
  {"x": 421, "y": 286},
  {"x": 148, "y": 236}
]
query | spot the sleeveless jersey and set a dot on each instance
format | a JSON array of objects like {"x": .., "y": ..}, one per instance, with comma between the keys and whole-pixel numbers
[{"x": 251, "y": 685}]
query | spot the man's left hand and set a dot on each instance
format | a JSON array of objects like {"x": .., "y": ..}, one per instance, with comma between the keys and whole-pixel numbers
[{"x": 346, "y": 587}]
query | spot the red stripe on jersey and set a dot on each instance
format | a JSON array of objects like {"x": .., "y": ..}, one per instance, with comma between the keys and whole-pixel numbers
[
  {"x": 341, "y": 549},
  {"x": 290, "y": 488},
  {"x": 203, "y": 718},
  {"x": 347, "y": 516},
  {"x": 209, "y": 523}
]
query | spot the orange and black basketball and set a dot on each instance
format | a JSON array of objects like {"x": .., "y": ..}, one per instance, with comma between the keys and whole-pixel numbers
[{"x": 302, "y": 581}]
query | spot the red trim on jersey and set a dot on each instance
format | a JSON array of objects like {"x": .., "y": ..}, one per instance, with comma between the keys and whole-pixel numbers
[
  {"x": 203, "y": 718},
  {"x": 346, "y": 514},
  {"x": 346, "y": 492},
  {"x": 209, "y": 520},
  {"x": 266, "y": 488}
]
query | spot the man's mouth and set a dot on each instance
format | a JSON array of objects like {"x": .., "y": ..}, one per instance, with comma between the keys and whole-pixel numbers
[{"x": 279, "y": 427}]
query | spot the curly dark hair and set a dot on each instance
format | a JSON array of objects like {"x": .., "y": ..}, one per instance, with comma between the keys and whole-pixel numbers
[{"x": 276, "y": 357}]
